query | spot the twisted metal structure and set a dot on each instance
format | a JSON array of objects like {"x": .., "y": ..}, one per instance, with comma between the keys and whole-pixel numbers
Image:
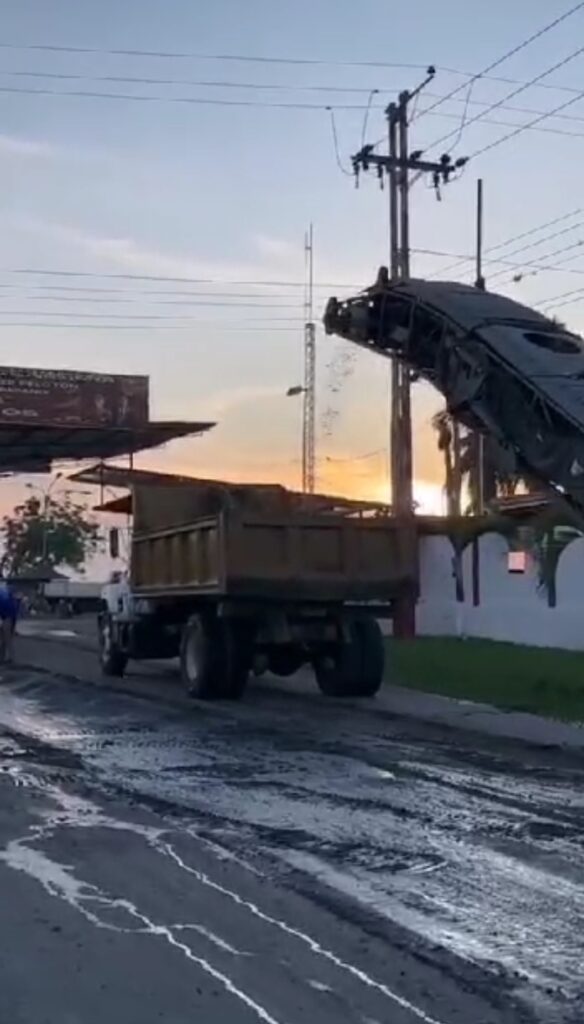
[{"x": 504, "y": 369}]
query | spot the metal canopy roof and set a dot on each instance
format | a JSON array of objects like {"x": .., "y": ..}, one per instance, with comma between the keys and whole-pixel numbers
[
  {"x": 116, "y": 506},
  {"x": 25, "y": 447},
  {"x": 125, "y": 476}
]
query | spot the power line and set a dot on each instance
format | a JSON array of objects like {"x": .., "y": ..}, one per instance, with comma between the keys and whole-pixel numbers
[
  {"x": 228, "y": 57},
  {"x": 283, "y": 87},
  {"x": 272, "y": 86},
  {"x": 546, "y": 256},
  {"x": 463, "y": 120},
  {"x": 142, "y": 327},
  {"x": 511, "y": 53},
  {"x": 143, "y": 316},
  {"x": 510, "y": 124},
  {"x": 336, "y": 144},
  {"x": 511, "y": 240},
  {"x": 124, "y": 296},
  {"x": 370, "y": 92},
  {"x": 295, "y": 61},
  {"x": 508, "y": 263},
  {"x": 515, "y": 92},
  {"x": 541, "y": 241},
  {"x": 179, "y": 280},
  {"x": 157, "y": 302},
  {"x": 511, "y": 107},
  {"x": 551, "y": 300},
  {"x": 270, "y": 105},
  {"x": 198, "y": 83},
  {"x": 527, "y": 271},
  {"x": 264, "y": 283},
  {"x": 559, "y": 267},
  {"x": 518, "y": 131},
  {"x": 131, "y": 292},
  {"x": 215, "y": 84},
  {"x": 187, "y": 100}
]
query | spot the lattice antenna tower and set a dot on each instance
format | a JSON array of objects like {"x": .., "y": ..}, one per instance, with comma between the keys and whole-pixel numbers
[{"x": 309, "y": 391}]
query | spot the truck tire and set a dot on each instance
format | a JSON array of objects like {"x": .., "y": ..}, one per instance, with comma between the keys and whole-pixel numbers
[
  {"x": 354, "y": 668},
  {"x": 237, "y": 645},
  {"x": 112, "y": 658},
  {"x": 215, "y": 657},
  {"x": 372, "y": 656}
]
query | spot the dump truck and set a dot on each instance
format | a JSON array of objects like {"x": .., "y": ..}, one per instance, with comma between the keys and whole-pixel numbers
[{"x": 243, "y": 581}]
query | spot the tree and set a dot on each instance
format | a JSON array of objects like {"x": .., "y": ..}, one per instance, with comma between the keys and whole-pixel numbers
[
  {"x": 460, "y": 449},
  {"x": 51, "y": 533},
  {"x": 448, "y": 436}
]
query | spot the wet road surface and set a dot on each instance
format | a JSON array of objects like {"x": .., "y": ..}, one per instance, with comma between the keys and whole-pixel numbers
[{"x": 285, "y": 859}]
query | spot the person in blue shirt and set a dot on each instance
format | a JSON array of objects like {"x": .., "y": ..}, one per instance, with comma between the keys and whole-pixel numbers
[{"x": 8, "y": 617}]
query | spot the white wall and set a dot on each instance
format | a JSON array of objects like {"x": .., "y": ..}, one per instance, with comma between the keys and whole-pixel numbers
[
  {"x": 511, "y": 605},
  {"x": 437, "y": 611}
]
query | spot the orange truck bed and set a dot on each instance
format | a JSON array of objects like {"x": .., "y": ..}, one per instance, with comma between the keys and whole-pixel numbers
[{"x": 241, "y": 552}]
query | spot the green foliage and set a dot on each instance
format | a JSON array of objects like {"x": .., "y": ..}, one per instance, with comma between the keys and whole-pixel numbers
[
  {"x": 546, "y": 547},
  {"x": 537, "y": 679},
  {"x": 56, "y": 532}
]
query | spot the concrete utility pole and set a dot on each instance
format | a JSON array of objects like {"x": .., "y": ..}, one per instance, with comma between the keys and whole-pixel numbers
[
  {"x": 479, "y": 280},
  {"x": 480, "y": 283},
  {"x": 397, "y": 165},
  {"x": 309, "y": 390},
  {"x": 401, "y": 416}
]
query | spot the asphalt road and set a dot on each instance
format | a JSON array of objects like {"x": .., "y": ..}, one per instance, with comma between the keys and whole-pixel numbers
[{"x": 285, "y": 859}]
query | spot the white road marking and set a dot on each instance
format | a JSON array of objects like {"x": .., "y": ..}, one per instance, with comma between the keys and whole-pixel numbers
[
  {"x": 215, "y": 939},
  {"x": 319, "y": 985},
  {"x": 313, "y": 944},
  {"x": 223, "y": 853},
  {"x": 59, "y": 881}
]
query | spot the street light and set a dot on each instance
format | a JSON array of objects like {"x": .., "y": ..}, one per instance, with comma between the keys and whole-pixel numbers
[{"x": 294, "y": 391}]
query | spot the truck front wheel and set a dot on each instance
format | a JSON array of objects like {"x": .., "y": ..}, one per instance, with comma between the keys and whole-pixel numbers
[
  {"x": 215, "y": 657},
  {"x": 112, "y": 658},
  {"x": 354, "y": 667}
]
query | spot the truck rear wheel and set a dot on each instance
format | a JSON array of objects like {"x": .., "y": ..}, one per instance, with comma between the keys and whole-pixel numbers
[
  {"x": 112, "y": 658},
  {"x": 215, "y": 657},
  {"x": 354, "y": 668}
]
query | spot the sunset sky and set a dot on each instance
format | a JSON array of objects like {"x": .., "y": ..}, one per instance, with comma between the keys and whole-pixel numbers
[{"x": 167, "y": 206}]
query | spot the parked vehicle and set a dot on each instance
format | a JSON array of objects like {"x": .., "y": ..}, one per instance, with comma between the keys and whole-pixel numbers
[{"x": 71, "y": 597}]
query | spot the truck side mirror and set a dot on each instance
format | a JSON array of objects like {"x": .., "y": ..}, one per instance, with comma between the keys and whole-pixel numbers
[{"x": 114, "y": 542}]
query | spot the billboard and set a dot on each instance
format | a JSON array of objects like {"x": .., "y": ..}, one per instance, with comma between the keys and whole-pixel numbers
[{"x": 71, "y": 398}]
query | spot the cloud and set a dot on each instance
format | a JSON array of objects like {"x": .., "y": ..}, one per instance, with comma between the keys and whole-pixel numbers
[
  {"x": 12, "y": 145},
  {"x": 19, "y": 146},
  {"x": 279, "y": 249},
  {"x": 130, "y": 255},
  {"x": 272, "y": 259},
  {"x": 221, "y": 403}
]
